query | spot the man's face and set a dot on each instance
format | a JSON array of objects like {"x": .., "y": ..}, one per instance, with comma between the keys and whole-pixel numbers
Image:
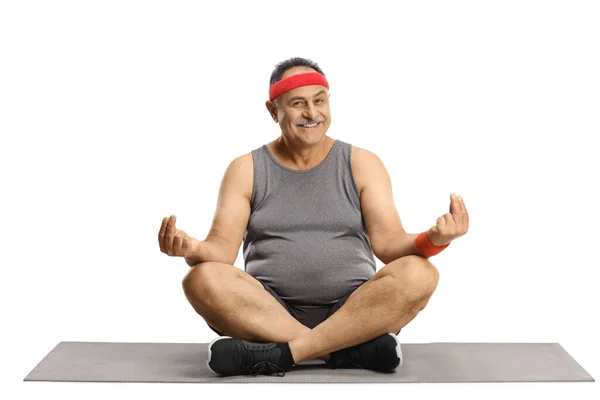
[{"x": 301, "y": 108}]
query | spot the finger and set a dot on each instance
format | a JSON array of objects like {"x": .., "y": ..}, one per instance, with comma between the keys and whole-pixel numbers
[
  {"x": 465, "y": 214},
  {"x": 161, "y": 234},
  {"x": 454, "y": 204},
  {"x": 457, "y": 214},
  {"x": 456, "y": 224},
  {"x": 178, "y": 242},
  {"x": 163, "y": 226},
  {"x": 177, "y": 245},
  {"x": 187, "y": 245},
  {"x": 170, "y": 234},
  {"x": 441, "y": 223},
  {"x": 450, "y": 222},
  {"x": 462, "y": 204}
]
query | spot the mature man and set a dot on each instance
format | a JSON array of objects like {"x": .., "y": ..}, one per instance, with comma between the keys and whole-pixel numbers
[{"x": 312, "y": 212}]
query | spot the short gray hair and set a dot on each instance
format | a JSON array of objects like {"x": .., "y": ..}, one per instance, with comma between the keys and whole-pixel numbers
[{"x": 283, "y": 66}]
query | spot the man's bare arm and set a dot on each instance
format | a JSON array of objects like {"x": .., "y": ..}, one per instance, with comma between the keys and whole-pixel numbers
[
  {"x": 388, "y": 238},
  {"x": 209, "y": 251},
  {"x": 230, "y": 221}
]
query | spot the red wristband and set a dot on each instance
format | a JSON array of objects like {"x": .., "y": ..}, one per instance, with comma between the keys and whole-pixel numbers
[{"x": 425, "y": 247}]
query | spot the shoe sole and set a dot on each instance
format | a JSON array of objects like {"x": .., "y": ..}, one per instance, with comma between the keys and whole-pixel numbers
[
  {"x": 398, "y": 348},
  {"x": 210, "y": 352}
]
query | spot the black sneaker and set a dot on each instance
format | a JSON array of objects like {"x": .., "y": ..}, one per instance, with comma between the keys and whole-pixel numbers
[
  {"x": 380, "y": 354},
  {"x": 227, "y": 356}
]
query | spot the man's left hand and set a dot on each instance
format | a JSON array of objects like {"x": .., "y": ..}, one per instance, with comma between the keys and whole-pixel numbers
[{"x": 452, "y": 224}]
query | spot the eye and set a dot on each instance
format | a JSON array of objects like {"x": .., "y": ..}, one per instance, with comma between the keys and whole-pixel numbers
[{"x": 296, "y": 103}]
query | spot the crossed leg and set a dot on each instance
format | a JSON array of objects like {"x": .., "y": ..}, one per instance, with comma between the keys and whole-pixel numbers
[
  {"x": 237, "y": 304},
  {"x": 386, "y": 303}
]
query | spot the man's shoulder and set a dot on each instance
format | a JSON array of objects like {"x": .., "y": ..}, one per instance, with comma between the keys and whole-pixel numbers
[
  {"x": 244, "y": 160},
  {"x": 364, "y": 160},
  {"x": 366, "y": 167},
  {"x": 362, "y": 154},
  {"x": 241, "y": 169},
  {"x": 365, "y": 164}
]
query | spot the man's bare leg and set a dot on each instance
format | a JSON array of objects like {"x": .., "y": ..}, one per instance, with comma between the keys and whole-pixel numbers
[
  {"x": 237, "y": 304},
  {"x": 386, "y": 303}
]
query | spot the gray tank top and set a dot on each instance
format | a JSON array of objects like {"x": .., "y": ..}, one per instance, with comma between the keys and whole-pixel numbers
[{"x": 306, "y": 237}]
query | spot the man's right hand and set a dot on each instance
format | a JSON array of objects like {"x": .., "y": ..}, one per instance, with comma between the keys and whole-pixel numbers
[{"x": 175, "y": 242}]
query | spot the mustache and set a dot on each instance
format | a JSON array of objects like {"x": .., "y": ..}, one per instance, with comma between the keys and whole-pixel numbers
[{"x": 306, "y": 122}]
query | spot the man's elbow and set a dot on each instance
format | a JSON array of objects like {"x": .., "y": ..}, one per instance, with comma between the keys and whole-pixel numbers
[{"x": 391, "y": 247}]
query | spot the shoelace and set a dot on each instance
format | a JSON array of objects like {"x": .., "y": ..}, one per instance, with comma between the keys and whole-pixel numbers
[
  {"x": 353, "y": 352},
  {"x": 348, "y": 359},
  {"x": 271, "y": 368},
  {"x": 258, "y": 357}
]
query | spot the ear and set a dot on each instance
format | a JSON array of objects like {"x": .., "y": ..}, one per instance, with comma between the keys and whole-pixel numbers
[{"x": 272, "y": 108}]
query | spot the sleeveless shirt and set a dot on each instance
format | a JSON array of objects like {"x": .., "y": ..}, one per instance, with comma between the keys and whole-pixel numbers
[{"x": 306, "y": 238}]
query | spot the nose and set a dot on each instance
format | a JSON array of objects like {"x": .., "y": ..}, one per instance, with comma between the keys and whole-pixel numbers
[{"x": 310, "y": 112}]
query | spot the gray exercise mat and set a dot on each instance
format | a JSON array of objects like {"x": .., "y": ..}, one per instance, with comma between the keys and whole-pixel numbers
[{"x": 423, "y": 362}]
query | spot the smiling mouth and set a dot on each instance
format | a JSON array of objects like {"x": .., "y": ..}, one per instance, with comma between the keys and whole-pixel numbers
[{"x": 310, "y": 126}]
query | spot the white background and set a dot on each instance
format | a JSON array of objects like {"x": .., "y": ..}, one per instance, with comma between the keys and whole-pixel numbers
[{"x": 115, "y": 114}]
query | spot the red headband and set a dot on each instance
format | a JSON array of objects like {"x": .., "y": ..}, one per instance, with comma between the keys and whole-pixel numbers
[{"x": 295, "y": 81}]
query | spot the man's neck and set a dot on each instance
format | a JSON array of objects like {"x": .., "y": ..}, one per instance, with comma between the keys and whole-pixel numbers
[{"x": 300, "y": 155}]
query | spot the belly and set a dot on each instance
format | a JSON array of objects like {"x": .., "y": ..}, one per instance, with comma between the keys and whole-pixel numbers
[{"x": 318, "y": 273}]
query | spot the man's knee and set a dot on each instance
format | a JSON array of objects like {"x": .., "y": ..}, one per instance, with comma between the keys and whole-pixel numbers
[
  {"x": 417, "y": 277},
  {"x": 200, "y": 280}
]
